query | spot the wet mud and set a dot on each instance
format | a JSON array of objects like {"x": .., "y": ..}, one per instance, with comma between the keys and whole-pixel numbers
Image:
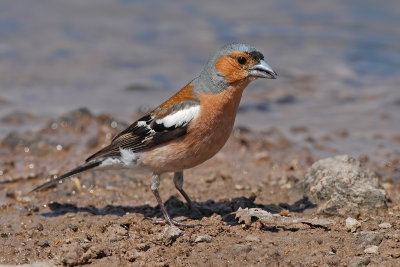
[{"x": 106, "y": 218}]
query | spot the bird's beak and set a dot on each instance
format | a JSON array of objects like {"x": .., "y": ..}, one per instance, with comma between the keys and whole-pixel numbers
[{"x": 262, "y": 70}]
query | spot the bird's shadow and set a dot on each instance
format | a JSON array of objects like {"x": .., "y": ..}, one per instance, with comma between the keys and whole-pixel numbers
[{"x": 176, "y": 207}]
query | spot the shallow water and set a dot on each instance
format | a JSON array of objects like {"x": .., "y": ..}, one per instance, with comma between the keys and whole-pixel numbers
[{"x": 338, "y": 61}]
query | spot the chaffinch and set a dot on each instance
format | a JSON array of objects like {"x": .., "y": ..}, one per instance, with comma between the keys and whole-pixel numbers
[{"x": 187, "y": 129}]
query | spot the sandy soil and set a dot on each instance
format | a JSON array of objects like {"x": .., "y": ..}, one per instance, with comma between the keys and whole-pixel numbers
[{"x": 106, "y": 218}]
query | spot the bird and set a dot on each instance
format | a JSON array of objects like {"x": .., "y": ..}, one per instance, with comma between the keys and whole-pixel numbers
[{"x": 188, "y": 128}]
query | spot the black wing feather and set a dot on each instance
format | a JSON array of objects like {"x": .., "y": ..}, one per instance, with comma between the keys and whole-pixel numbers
[
  {"x": 141, "y": 135},
  {"x": 133, "y": 128}
]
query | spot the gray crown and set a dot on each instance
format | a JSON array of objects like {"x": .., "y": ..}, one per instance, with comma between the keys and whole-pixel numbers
[{"x": 210, "y": 80}]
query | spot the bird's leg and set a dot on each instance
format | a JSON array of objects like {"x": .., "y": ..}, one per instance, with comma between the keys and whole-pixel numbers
[
  {"x": 178, "y": 181},
  {"x": 154, "y": 185}
]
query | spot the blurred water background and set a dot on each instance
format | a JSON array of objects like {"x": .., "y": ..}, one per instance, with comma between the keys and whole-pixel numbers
[{"x": 338, "y": 61}]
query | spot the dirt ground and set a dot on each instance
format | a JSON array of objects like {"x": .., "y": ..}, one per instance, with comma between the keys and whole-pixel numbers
[{"x": 105, "y": 218}]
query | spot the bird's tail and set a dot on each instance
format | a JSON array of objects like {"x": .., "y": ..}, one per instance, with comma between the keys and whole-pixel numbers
[{"x": 79, "y": 169}]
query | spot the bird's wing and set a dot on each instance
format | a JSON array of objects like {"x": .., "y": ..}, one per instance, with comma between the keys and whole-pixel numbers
[{"x": 157, "y": 127}]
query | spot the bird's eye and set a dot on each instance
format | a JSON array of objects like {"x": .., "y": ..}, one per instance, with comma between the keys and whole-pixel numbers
[{"x": 242, "y": 60}]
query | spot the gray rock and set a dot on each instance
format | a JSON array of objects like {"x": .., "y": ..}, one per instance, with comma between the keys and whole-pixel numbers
[
  {"x": 352, "y": 224},
  {"x": 367, "y": 238},
  {"x": 170, "y": 234},
  {"x": 372, "y": 250},
  {"x": 341, "y": 186},
  {"x": 385, "y": 225},
  {"x": 359, "y": 261}
]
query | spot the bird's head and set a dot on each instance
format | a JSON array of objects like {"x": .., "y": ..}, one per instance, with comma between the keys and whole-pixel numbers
[{"x": 234, "y": 63}]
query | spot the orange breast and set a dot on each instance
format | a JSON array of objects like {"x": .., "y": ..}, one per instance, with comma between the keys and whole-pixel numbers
[{"x": 206, "y": 135}]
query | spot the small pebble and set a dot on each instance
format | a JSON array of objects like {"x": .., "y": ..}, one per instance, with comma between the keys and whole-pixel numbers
[
  {"x": 73, "y": 227},
  {"x": 372, "y": 250},
  {"x": 203, "y": 238},
  {"x": 38, "y": 227},
  {"x": 241, "y": 187},
  {"x": 170, "y": 234},
  {"x": 352, "y": 224},
  {"x": 385, "y": 225}
]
